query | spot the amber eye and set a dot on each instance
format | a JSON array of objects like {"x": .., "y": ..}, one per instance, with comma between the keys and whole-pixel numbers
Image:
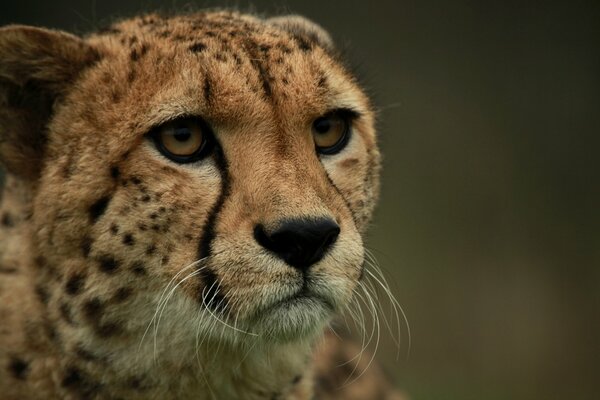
[
  {"x": 184, "y": 140},
  {"x": 331, "y": 132}
]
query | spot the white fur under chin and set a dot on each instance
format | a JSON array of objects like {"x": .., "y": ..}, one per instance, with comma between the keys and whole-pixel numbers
[{"x": 215, "y": 361}]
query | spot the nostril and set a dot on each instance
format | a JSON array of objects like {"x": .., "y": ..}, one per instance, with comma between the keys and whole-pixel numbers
[{"x": 299, "y": 242}]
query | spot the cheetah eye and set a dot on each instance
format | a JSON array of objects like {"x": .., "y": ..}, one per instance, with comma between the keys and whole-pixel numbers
[
  {"x": 331, "y": 132},
  {"x": 184, "y": 140}
]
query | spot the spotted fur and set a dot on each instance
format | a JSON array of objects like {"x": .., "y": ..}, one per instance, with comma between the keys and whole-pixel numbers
[{"x": 124, "y": 275}]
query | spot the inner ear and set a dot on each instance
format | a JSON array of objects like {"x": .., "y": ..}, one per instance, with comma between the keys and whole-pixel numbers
[{"x": 37, "y": 66}]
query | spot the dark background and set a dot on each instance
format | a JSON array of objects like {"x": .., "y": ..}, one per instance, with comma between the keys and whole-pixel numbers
[{"x": 489, "y": 224}]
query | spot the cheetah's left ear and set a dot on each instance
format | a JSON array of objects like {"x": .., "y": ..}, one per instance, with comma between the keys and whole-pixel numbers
[
  {"x": 304, "y": 28},
  {"x": 37, "y": 66}
]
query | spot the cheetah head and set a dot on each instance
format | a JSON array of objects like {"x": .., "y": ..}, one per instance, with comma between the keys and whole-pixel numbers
[{"x": 214, "y": 171}]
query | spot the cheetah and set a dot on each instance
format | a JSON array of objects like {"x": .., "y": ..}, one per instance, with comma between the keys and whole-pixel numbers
[{"x": 183, "y": 211}]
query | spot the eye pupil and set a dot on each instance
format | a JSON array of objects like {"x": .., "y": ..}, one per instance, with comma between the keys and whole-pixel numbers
[
  {"x": 322, "y": 125},
  {"x": 182, "y": 134}
]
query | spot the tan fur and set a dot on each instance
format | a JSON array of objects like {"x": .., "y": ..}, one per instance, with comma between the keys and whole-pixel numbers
[{"x": 98, "y": 295}]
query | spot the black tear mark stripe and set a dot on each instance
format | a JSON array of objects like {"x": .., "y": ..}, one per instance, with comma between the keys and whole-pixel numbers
[
  {"x": 212, "y": 296},
  {"x": 339, "y": 192}
]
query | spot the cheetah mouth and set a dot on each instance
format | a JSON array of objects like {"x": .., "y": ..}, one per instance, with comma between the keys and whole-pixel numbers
[
  {"x": 303, "y": 297},
  {"x": 294, "y": 316}
]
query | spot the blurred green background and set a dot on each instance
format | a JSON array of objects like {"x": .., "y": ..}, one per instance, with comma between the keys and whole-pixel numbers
[{"x": 489, "y": 222}]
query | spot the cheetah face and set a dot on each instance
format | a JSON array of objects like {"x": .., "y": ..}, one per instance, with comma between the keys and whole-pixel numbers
[{"x": 219, "y": 162}]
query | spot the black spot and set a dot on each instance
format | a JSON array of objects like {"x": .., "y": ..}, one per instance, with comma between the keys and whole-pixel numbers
[
  {"x": 135, "y": 180},
  {"x": 303, "y": 43},
  {"x": 108, "y": 263},
  {"x": 237, "y": 59},
  {"x": 97, "y": 209},
  {"x": 86, "y": 245},
  {"x": 72, "y": 377},
  {"x": 74, "y": 284},
  {"x": 153, "y": 215},
  {"x": 134, "y": 382},
  {"x": 138, "y": 268},
  {"x": 108, "y": 329},
  {"x": 7, "y": 220},
  {"x": 156, "y": 227},
  {"x": 18, "y": 368},
  {"x": 42, "y": 293},
  {"x": 7, "y": 270},
  {"x": 76, "y": 380},
  {"x": 122, "y": 294},
  {"x": 296, "y": 379},
  {"x": 165, "y": 260},
  {"x": 115, "y": 172},
  {"x": 164, "y": 34},
  {"x": 128, "y": 239},
  {"x": 197, "y": 47},
  {"x": 137, "y": 53},
  {"x": 92, "y": 309},
  {"x": 147, "y": 21},
  {"x": 145, "y": 198},
  {"x": 114, "y": 229},
  {"x": 322, "y": 82},
  {"x": 138, "y": 383},
  {"x": 150, "y": 249}
]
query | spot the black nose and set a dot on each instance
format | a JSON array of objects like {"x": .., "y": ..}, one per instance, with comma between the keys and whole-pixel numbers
[{"x": 299, "y": 242}]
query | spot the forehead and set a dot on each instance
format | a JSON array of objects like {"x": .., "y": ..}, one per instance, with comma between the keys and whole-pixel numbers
[{"x": 224, "y": 66}]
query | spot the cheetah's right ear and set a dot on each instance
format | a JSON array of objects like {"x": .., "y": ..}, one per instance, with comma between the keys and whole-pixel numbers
[
  {"x": 37, "y": 66},
  {"x": 305, "y": 29}
]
